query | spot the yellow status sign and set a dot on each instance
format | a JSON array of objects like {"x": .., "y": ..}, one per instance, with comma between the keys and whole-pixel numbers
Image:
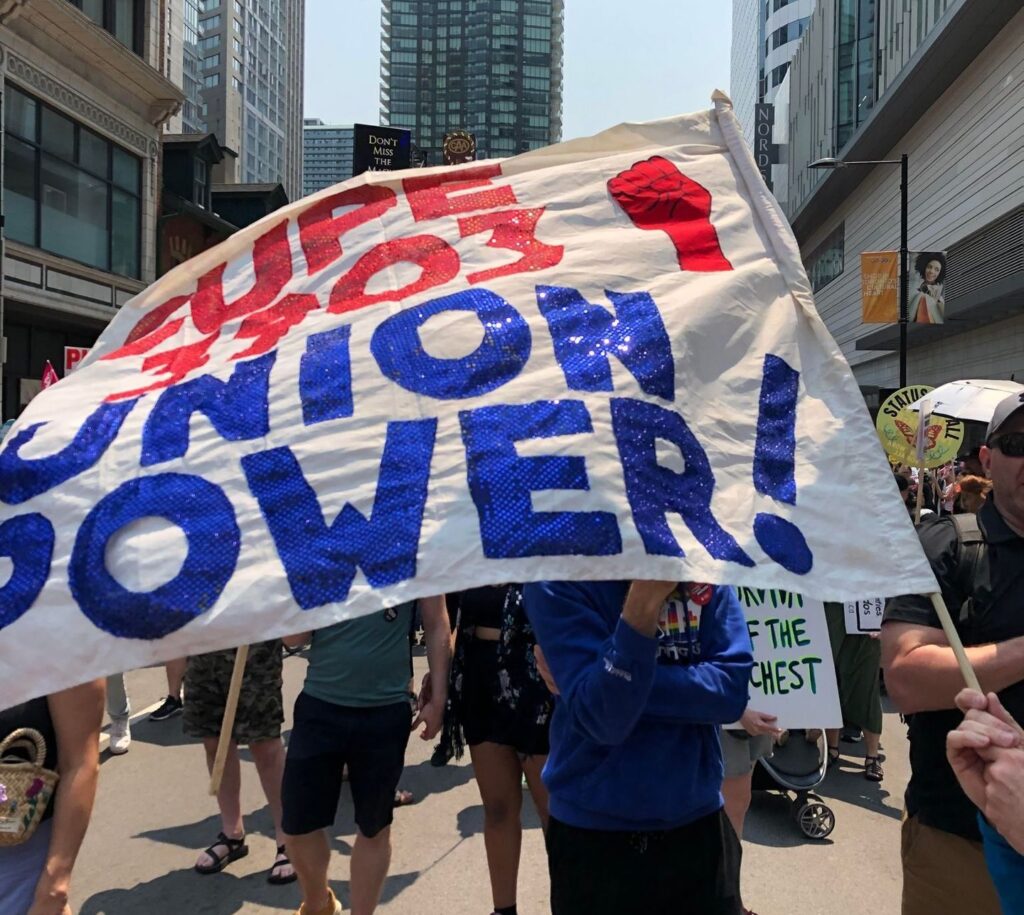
[{"x": 897, "y": 430}]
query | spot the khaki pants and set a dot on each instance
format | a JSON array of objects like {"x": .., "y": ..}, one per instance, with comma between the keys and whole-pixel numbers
[{"x": 944, "y": 874}]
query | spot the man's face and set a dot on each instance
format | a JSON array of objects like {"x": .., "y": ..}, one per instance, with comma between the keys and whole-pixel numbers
[{"x": 1007, "y": 474}]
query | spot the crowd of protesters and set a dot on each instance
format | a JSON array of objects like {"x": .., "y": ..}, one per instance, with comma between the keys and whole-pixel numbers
[{"x": 614, "y": 720}]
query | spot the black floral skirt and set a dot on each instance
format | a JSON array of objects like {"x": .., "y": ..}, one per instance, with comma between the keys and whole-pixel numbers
[{"x": 496, "y": 710}]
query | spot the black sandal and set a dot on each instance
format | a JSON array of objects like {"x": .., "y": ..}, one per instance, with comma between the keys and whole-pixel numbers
[
  {"x": 282, "y": 860},
  {"x": 873, "y": 768},
  {"x": 833, "y": 756},
  {"x": 236, "y": 849}
]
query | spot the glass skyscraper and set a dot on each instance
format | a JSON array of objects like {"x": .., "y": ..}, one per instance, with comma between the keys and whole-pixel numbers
[
  {"x": 326, "y": 154},
  {"x": 492, "y": 67}
]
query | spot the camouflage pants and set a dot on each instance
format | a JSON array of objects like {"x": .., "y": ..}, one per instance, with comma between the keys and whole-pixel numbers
[{"x": 260, "y": 706}]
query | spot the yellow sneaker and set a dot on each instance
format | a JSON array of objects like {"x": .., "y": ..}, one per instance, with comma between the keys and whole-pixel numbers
[{"x": 333, "y": 907}]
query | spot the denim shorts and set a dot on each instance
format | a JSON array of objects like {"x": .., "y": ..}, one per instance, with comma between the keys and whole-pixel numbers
[{"x": 20, "y": 867}]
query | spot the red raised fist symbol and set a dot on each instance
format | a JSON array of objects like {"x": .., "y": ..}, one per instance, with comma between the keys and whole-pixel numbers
[{"x": 655, "y": 195}]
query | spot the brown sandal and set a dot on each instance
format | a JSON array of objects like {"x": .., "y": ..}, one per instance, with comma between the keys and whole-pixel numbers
[{"x": 873, "y": 768}]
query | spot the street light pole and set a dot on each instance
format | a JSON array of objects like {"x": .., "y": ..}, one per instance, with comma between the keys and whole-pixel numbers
[
  {"x": 904, "y": 269},
  {"x": 904, "y": 317}
]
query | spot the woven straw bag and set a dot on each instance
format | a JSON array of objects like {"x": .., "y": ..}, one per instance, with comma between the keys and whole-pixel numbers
[{"x": 25, "y": 787}]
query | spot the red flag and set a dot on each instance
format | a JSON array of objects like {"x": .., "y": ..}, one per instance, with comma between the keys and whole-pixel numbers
[{"x": 49, "y": 375}]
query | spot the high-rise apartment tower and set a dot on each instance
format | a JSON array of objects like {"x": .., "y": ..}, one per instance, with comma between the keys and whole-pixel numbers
[
  {"x": 326, "y": 154},
  {"x": 492, "y": 67},
  {"x": 249, "y": 55}
]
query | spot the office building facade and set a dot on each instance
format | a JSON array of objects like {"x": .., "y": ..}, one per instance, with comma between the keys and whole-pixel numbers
[
  {"x": 944, "y": 88},
  {"x": 84, "y": 106},
  {"x": 326, "y": 154},
  {"x": 765, "y": 36},
  {"x": 250, "y": 74},
  {"x": 492, "y": 67}
]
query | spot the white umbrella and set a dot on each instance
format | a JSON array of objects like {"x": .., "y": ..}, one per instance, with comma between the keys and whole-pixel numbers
[{"x": 972, "y": 399}]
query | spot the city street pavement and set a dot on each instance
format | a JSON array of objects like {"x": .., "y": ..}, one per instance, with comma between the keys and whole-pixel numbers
[{"x": 153, "y": 815}]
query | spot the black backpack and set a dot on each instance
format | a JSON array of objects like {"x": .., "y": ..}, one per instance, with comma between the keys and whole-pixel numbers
[{"x": 972, "y": 557}]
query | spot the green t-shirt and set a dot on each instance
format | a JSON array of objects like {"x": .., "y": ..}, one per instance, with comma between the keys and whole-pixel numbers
[{"x": 362, "y": 662}]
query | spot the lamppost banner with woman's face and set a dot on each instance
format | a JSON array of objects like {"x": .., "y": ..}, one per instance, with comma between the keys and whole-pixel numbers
[{"x": 926, "y": 301}]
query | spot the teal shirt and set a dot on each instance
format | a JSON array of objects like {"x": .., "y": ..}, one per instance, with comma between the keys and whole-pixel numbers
[{"x": 362, "y": 662}]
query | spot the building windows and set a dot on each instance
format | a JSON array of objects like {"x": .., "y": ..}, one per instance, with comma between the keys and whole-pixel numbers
[
  {"x": 827, "y": 261},
  {"x": 68, "y": 190},
  {"x": 211, "y": 80},
  {"x": 779, "y": 74},
  {"x": 791, "y": 31},
  {"x": 855, "y": 66},
  {"x": 121, "y": 18},
  {"x": 212, "y": 23},
  {"x": 211, "y": 62},
  {"x": 210, "y": 41}
]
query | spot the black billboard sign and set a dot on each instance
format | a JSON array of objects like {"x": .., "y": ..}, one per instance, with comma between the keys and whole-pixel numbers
[{"x": 380, "y": 149}]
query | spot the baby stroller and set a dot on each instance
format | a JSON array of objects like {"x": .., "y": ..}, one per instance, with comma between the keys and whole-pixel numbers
[{"x": 798, "y": 767}]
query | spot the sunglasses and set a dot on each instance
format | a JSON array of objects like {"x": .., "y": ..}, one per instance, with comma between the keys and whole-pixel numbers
[{"x": 1009, "y": 443}]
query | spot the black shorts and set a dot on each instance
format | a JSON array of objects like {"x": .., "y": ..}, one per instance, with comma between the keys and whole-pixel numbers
[
  {"x": 692, "y": 870},
  {"x": 327, "y": 737}
]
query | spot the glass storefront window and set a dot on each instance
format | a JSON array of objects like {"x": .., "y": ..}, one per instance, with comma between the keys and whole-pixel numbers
[{"x": 68, "y": 190}]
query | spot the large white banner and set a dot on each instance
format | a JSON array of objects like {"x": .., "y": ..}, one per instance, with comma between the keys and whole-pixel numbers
[{"x": 595, "y": 360}]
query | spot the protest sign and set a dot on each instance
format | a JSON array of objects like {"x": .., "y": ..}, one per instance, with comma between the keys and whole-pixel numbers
[
  {"x": 897, "y": 427},
  {"x": 73, "y": 355},
  {"x": 794, "y": 677},
  {"x": 864, "y": 616},
  {"x": 596, "y": 360}
]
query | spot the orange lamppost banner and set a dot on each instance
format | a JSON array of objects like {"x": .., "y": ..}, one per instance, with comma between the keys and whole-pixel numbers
[{"x": 880, "y": 283}]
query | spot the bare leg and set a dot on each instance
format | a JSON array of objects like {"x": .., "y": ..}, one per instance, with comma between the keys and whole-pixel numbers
[
  {"x": 310, "y": 855},
  {"x": 871, "y": 743},
  {"x": 499, "y": 778},
  {"x": 175, "y": 671},
  {"x": 228, "y": 796},
  {"x": 268, "y": 755},
  {"x": 371, "y": 859},
  {"x": 832, "y": 738},
  {"x": 736, "y": 792},
  {"x": 532, "y": 767}
]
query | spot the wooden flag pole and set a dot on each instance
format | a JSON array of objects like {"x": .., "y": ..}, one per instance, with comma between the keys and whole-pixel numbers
[
  {"x": 970, "y": 677},
  {"x": 228, "y": 723}
]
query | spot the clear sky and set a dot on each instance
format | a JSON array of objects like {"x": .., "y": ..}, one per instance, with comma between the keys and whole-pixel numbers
[{"x": 624, "y": 60}]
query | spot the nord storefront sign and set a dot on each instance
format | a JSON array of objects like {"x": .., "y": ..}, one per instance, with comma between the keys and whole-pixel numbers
[{"x": 766, "y": 153}]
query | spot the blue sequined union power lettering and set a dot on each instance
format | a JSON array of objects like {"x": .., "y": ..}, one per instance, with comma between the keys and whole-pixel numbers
[
  {"x": 501, "y": 483},
  {"x": 585, "y": 335},
  {"x": 320, "y": 560},
  {"x": 237, "y": 408},
  {"x": 653, "y": 491},
  {"x": 500, "y": 357},
  {"x": 27, "y": 541},
  {"x": 23, "y": 478},
  {"x": 205, "y": 516}
]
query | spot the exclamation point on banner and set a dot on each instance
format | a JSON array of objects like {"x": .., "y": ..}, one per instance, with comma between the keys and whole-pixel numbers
[{"x": 775, "y": 466}]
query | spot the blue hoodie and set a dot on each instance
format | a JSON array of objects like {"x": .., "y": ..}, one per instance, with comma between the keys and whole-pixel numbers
[{"x": 634, "y": 736}]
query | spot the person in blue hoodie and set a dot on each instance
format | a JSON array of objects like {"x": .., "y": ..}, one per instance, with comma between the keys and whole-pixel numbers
[{"x": 646, "y": 673}]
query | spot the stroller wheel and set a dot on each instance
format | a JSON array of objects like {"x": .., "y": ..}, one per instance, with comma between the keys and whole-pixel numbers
[{"x": 816, "y": 820}]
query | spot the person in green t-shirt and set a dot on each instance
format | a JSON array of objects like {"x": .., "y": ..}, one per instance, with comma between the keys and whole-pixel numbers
[{"x": 354, "y": 711}]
